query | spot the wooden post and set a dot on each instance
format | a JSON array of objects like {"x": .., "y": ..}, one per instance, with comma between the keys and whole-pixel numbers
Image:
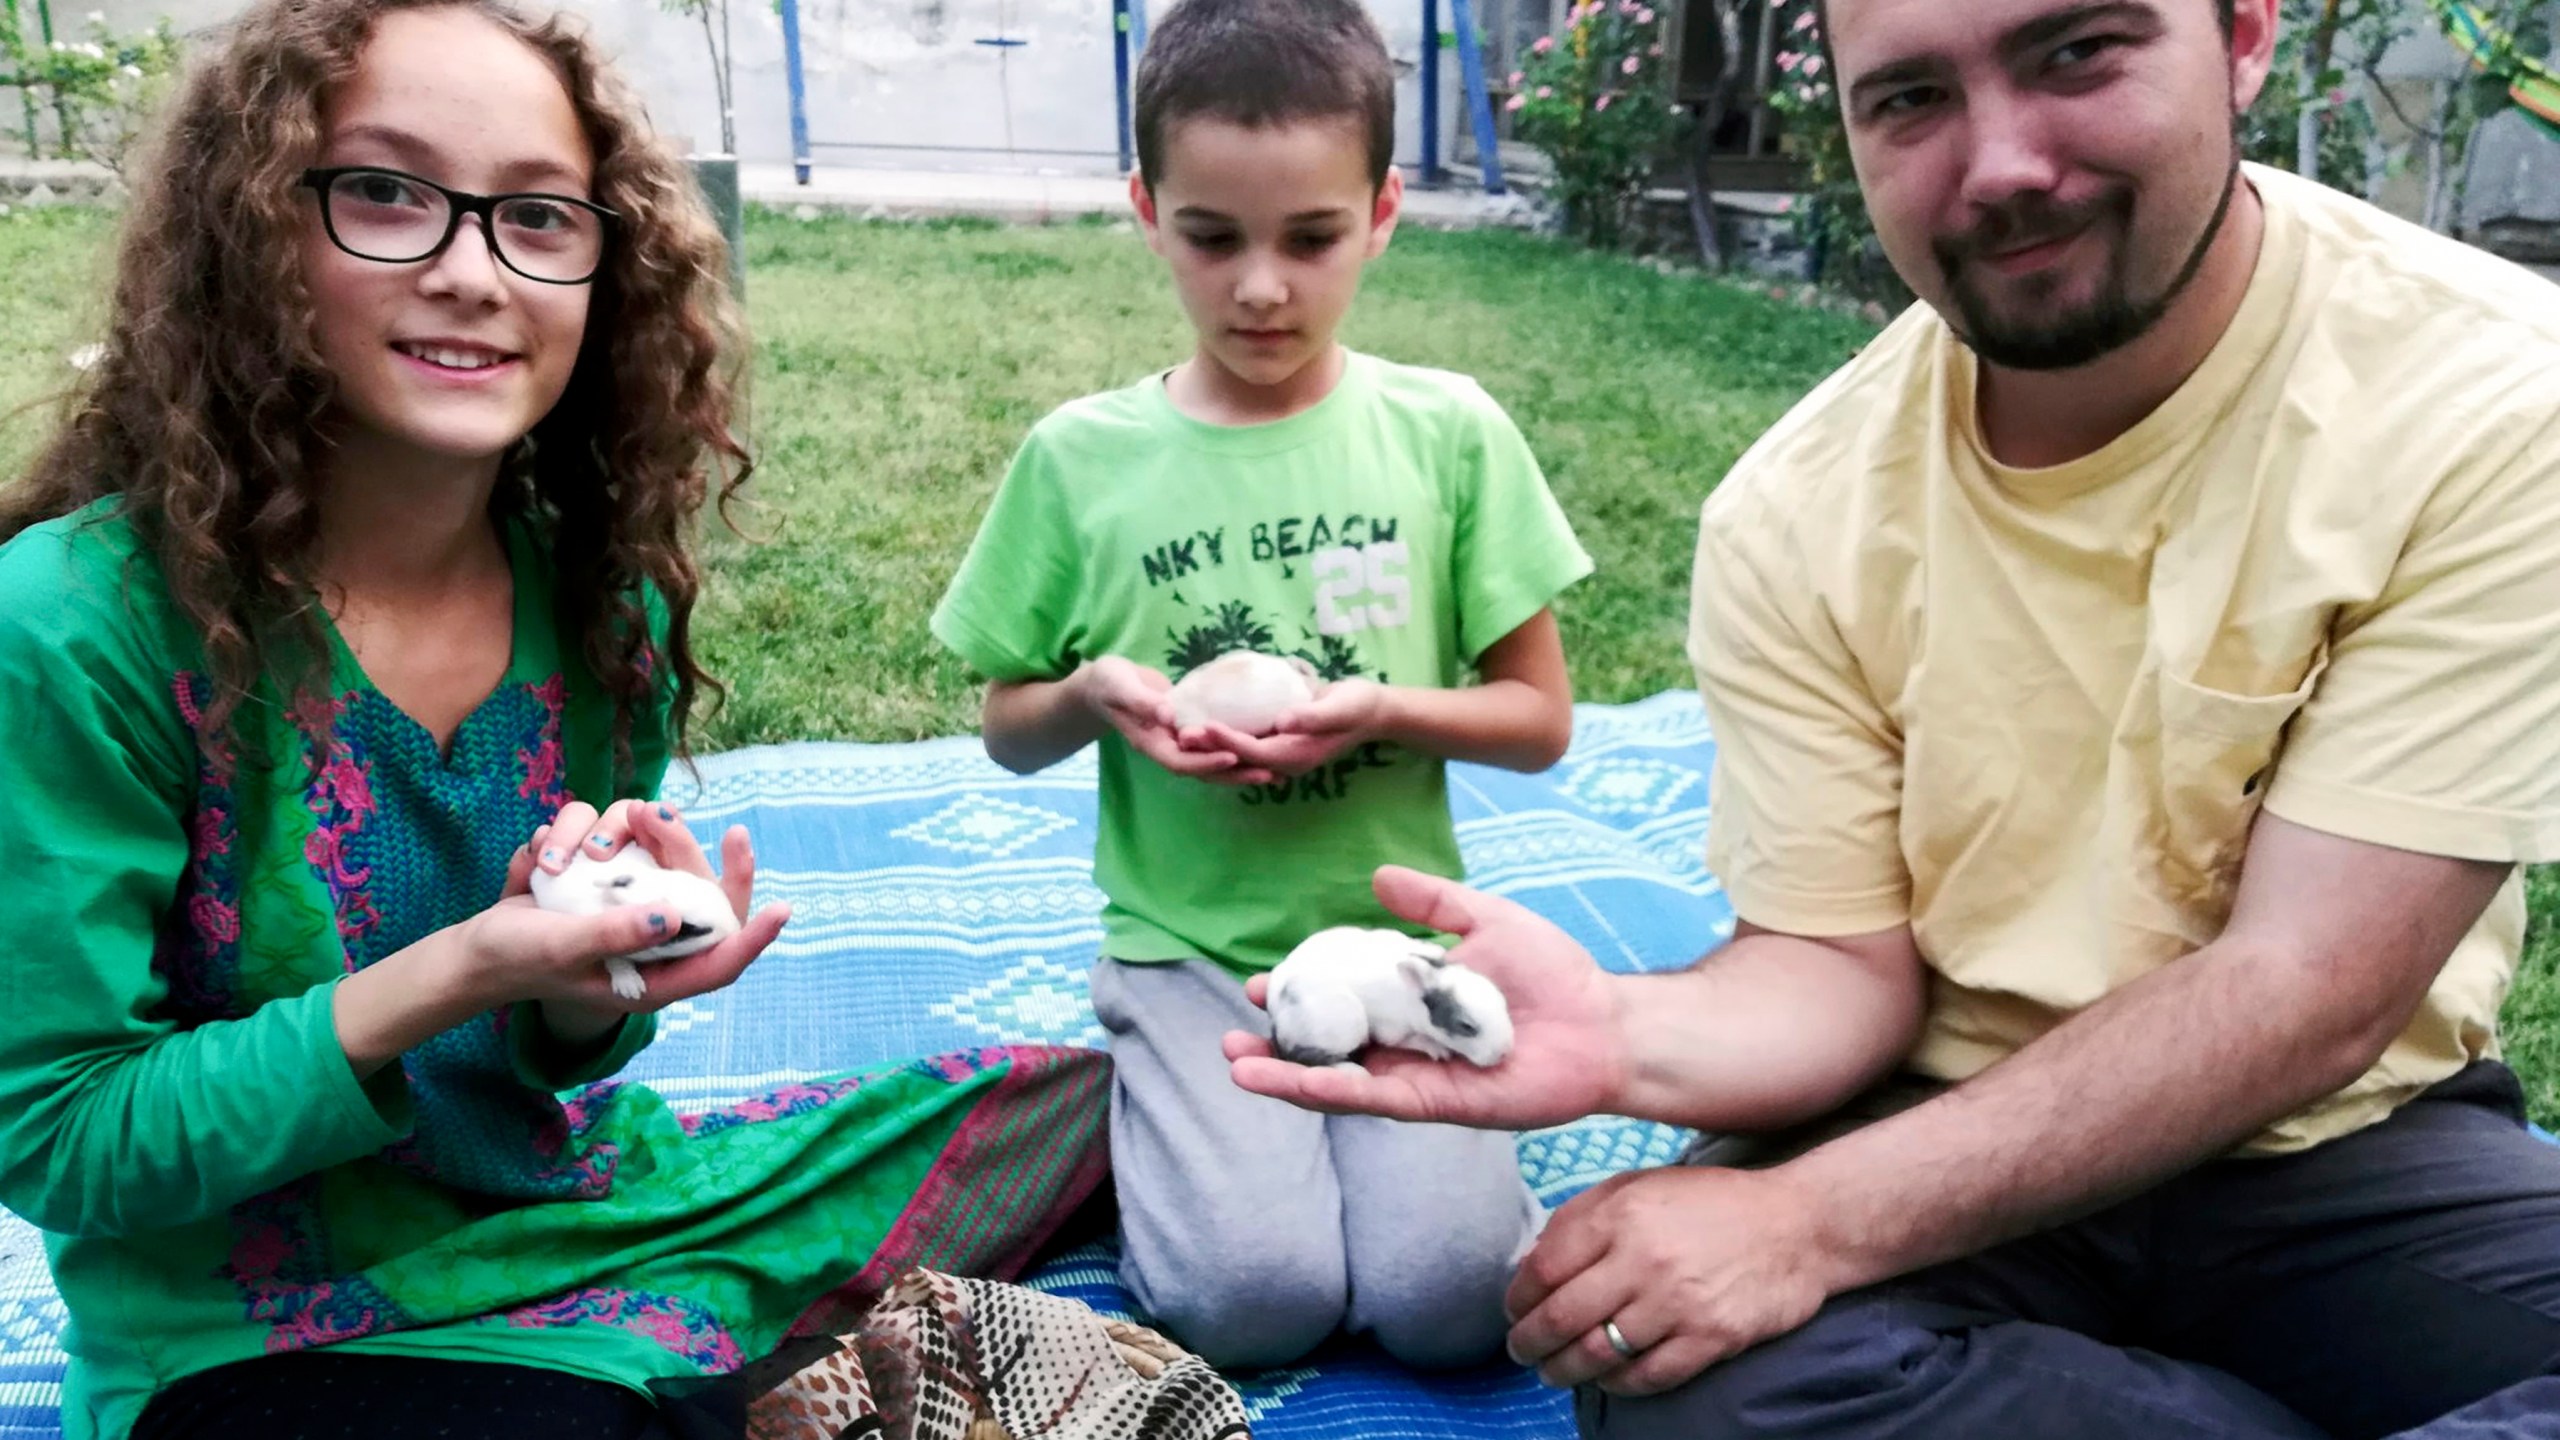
[
  {"x": 718, "y": 177},
  {"x": 1760, "y": 81}
]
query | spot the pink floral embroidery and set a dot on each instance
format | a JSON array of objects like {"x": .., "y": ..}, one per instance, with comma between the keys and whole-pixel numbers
[
  {"x": 341, "y": 800},
  {"x": 958, "y": 1065},
  {"x": 680, "y": 1326},
  {"x": 204, "y": 966},
  {"x": 323, "y": 1316},
  {"x": 212, "y": 832},
  {"x": 544, "y": 764},
  {"x": 778, "y": 1104},
  {"x": 555, "y": 1133},
  {"x": 317, "y": 714},
  {"x": 350, "y": 786},
  {"x": 274, "y": 1254},
  {"x": 541, "y": 770},
  {"x": 216, "y": 747},
  {"x": 583, "y": 1109},
  {"x": 214, "y": 920},
  {"x": 261, "y": 1249}
]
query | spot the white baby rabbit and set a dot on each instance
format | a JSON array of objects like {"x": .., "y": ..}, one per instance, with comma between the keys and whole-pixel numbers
[
  {"x": 1346, "y": 987},
  {"x": 1244, "y": 690},
  {"x": 632, "y": 876}
]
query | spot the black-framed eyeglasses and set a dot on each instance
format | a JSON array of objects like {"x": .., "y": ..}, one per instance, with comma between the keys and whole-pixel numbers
[{"x": 397, "y": 218}]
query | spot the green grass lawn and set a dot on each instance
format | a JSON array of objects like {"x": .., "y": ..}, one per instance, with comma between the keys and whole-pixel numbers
[{"x": 899, "y": 365}]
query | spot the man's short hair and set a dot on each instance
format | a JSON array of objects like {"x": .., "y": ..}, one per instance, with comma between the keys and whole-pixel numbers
[{"x": 1266, "y": 62}]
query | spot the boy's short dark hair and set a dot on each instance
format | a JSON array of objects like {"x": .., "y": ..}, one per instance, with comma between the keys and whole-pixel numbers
[{"x": 1266, "y": 62}]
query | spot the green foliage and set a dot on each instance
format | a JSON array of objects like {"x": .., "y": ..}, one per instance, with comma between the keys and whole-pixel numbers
[
  {"x": 100, "y": 90},
  {"x": 1596, "y": 99},
  {"x": 1834, "y": 212}
]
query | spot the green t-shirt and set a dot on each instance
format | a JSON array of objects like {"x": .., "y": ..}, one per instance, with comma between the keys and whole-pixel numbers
[{"x": 1393, "y": 530}]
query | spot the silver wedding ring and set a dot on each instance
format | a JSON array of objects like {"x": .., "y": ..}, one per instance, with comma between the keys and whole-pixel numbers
[{"x": 1617, "y": 1339}]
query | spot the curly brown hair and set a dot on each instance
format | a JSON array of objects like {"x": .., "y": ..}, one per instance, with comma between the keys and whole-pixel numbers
[{"x": 199, "y": 416}]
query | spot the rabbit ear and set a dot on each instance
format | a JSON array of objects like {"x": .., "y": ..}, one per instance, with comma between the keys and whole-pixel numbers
[{"x": 1416, "y": 970}]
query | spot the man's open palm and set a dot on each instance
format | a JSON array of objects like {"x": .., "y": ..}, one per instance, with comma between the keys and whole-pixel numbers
[{"x": 1565, "y": 1061}]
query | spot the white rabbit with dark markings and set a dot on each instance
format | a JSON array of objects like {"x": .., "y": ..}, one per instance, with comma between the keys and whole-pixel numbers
[
  {"x": 632, "y": 876},
  {"x": 1347, "y": 987}
]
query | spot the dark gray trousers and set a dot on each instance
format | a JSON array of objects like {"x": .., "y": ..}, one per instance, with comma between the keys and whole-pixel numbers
[{"x": 2401, "y": 1281}]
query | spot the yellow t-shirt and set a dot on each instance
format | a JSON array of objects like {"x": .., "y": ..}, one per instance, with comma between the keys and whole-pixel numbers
[{"x": 2034, "y": 712}]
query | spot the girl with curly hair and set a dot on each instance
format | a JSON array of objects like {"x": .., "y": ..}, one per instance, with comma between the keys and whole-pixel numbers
[{"x": 362, "y": 557}]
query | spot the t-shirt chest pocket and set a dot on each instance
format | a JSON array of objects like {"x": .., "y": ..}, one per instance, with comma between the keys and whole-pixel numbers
[{"x": 2218, "y": 753}]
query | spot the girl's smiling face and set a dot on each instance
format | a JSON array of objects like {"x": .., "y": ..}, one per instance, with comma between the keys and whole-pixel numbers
[{"x": 455, "y": 355}]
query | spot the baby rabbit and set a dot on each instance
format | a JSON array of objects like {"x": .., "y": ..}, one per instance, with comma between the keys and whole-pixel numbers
[
  {"x": 1244, "y": 690},
  {"x": 1346, "y": 987},
  {"x": 633, "y": 876}
]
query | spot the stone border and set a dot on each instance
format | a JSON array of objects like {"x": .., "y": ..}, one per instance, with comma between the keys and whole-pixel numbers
[{"x": 51, "y": 182}]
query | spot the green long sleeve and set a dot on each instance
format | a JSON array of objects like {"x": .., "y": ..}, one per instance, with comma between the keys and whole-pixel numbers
[{"x": 113, "y": 1117}]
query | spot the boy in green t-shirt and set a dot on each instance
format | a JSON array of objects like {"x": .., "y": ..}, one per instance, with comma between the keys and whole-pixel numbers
[{"x": 1274, "y": 492}]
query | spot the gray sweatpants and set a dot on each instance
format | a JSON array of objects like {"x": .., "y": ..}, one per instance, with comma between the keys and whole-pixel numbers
[
  {"x": 2400, "y": 1281},
  {"x": 1251, "y": 1229}
]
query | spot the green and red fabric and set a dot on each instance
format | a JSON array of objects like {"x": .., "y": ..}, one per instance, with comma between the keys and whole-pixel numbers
[{"x": 215, "y": 1184}]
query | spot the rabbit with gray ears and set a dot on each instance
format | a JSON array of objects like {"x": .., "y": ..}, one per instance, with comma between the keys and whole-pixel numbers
[{"x": 1347, "y": 987}]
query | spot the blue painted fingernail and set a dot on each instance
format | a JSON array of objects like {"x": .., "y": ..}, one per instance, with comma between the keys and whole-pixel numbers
[
  {"x": 657, "y": 922},
  {"x": 665, "y": 814},
  {"x": 601, "y": 843},
  {"x": 550, "y": 854}
]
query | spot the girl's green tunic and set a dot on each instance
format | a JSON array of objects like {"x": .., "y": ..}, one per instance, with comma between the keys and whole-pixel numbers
[{"x": 176, "y": 1113}]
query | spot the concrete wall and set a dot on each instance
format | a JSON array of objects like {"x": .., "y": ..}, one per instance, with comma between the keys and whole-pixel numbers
[{"x": 895, "y": 73}]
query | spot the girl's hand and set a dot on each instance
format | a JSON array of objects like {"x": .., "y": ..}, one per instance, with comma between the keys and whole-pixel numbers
[
  {"x": 515, "y": 951},
  {"x": 578, "y": 996},
  {"x": 578, "y": 830}
]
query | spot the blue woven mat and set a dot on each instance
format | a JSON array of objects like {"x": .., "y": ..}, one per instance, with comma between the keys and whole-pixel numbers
[{"x": 940, "y": 903}]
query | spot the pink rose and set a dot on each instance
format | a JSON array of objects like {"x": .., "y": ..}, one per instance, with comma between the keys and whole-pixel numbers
[
  {"x": 1546, "y": 92},
  {"x": 1633, "y": 64},
  {"x": 1788, "y": 60},
  {"x": 1804, "y": 21},
  {"x": 1515, "y": 102},
  {"x": 1604, "y": 102},
  {"x": 1544, "y": 44},
  {"x": 1813, "y": 64},
  {"x": 1644, "y": 16},
  {"x": 1516, "y": 78}
]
